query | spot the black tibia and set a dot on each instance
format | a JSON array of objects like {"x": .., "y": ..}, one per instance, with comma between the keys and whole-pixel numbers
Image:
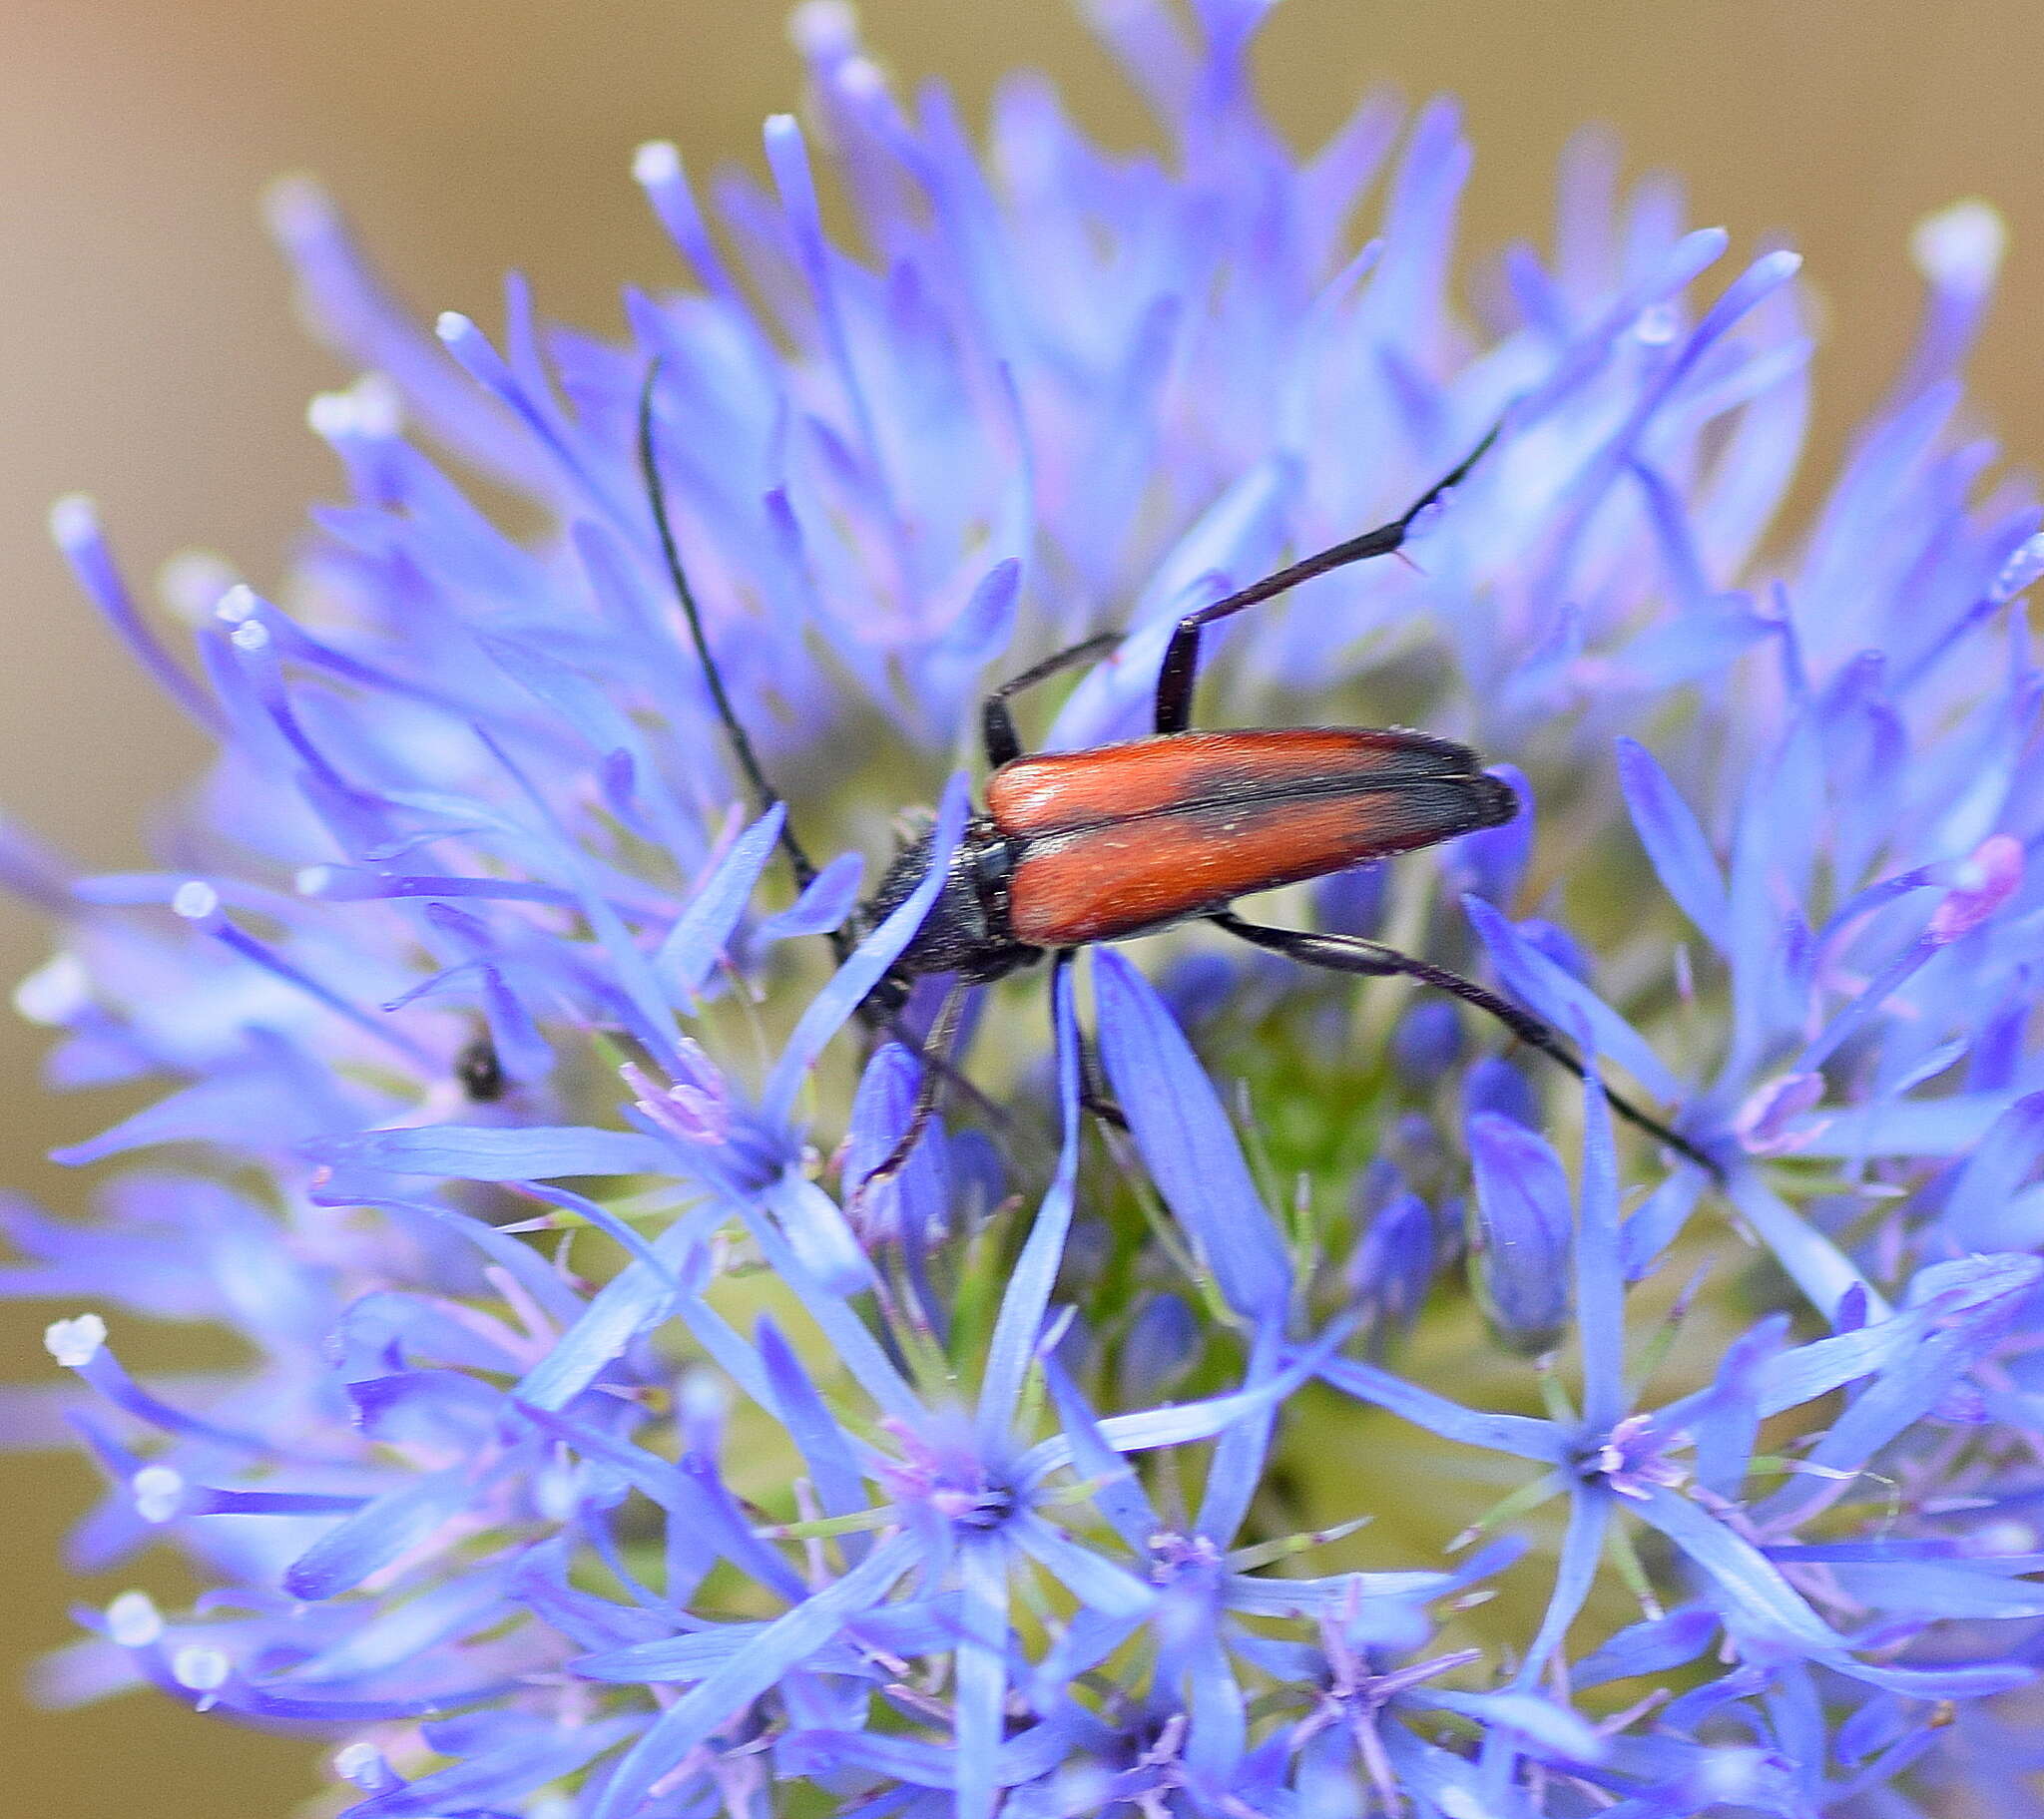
[
  {"x": 1180, "y": 666},
  {"x": 1095, "y": 1095},
  {"x": 1373, "y": 960},
  {"x": 997, "y": 723},
  {"x": 934, "y": 1055}
]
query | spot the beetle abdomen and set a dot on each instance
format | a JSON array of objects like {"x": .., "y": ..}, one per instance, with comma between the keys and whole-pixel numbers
[{"x": 1122, "y": 838}]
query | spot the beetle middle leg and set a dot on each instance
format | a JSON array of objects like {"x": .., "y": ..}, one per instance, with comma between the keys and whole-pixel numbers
[
  {"x": 1373, "y": 960},
  {"x": 934, "y": 1055},
  {"x": 1180, "y": 666}
]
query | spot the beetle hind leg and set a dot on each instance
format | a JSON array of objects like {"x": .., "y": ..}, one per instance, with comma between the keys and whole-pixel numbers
[{"x": 1371, "y": 959}]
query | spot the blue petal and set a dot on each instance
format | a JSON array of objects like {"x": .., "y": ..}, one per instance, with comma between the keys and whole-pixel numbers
[
  {"x": 1019, "y": 1324},
  {"x": 980, "y": 1676},
  {"x": 1184, "y": 1135},
  {"x": 1976, "y": 1214},
  {"x": 632, "y": 1300},
  {"x": 823, "y": 1445},
  {"x": 855, "y": 978},
  {"x": 1657, "y": 1646},
  {"x": 690, "y": 950},
  {"x": 1658, "y": 1222},
  {"x": 1523, "y": 1218},
  {"x": 1676, "y": 843},
  {"x": 1520, "y": 1435},
  {"x": 376, "y": 1535},
  {"x": 1757, "y": 1604},
  {"x": 476, "y": 1152},
  {"x": 1536, "y": 982},
  {"x": 824, "y": 906},
  {"x": 792, "y": 1637}
]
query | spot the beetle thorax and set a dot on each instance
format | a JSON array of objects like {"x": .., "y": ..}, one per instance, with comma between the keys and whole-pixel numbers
[{"x": 966, "y": 931}]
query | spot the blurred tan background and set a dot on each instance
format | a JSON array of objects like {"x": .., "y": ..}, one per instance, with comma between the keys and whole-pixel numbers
[{"x": 148, "y": 354}]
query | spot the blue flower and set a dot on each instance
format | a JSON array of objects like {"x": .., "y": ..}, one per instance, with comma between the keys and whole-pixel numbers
[{"x": 627, "y": 1426}]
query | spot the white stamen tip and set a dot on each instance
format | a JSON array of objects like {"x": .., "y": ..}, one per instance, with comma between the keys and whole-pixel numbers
[
  {"x": 360, "y": 1763},
  {"x": 312, "y": 880},
  {"x": 452, "y": 327},
  {"x": 330, "y": 414},
  {"x": 370, "y": 408},
  {"x": 860, "y": 77},
  {"x": 74, "y": 521},
  {"x": 656, "y": 161},
  {"x": 191, "y": 583},
  {"x": 1960, "y": 247},
  {"x": 238, "y": 605},
  {"x": 195, "y": 899},
  {"x": 379, "y": 405},
  {"x": 823, "y": 28},
  {"x": 133, "y": 1621},
  {"x": 2021, "y": 569},
  {"x": 1656, "y": 324},
  {"x": 55, "y": 991},
  {"x": 703, "y": 1397},
  {"x": 299, "y": 210},
  {"x": 252, "y": 636},
  {"x": 557, "y": 1495},
  {"x": 159, "y": 1492},
  {"x": 75, "y": 1343},
  {"x": 200, "y": 1669}
]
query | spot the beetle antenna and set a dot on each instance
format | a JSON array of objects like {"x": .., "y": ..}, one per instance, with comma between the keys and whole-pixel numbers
[{"x": 765, "y": 795}]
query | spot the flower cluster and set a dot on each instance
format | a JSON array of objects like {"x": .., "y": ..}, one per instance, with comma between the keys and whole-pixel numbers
[{"x": 617, "y": 1440}]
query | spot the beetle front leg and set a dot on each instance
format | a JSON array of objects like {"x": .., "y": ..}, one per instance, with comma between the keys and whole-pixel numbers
[
  {"x": 1371, "y": 959},
  {"x": 1180, "y": 666},
  {"x": 997, "y": 723}
]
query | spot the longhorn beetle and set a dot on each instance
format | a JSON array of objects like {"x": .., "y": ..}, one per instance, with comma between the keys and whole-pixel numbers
[{"x": 1076, "y": 847}]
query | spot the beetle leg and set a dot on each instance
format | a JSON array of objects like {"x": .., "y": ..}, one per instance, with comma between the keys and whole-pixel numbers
[
  {"x": 938, "y": 1067},
  {"x": 888, "y": 1023},
  {"x": 1095, "y": 1096},
  {"x": 997, "y": 723},
  {"x": 1181, "y": 665},
  {"x": 1371, "y": 959}
]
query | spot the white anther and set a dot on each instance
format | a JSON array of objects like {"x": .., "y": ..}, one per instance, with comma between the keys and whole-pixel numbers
[
  {"x": 75, "y": 522},
  {"x": 75, "y": 1343},
  {"x": 159, "y": 1492},
  {"x": 656, "y": 162},
  {"x": 238, "y": 605},
  {"x": 199, "y": 1668},
  {"x": 823, "y": 28},
  {"x": 194, "y": 900},
  {"x": 134, "y": 1622},
  {"x": 1960, "y": 247},
  {"x": 55, "y": 991},
  {"x": 193, "y": 582}
]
